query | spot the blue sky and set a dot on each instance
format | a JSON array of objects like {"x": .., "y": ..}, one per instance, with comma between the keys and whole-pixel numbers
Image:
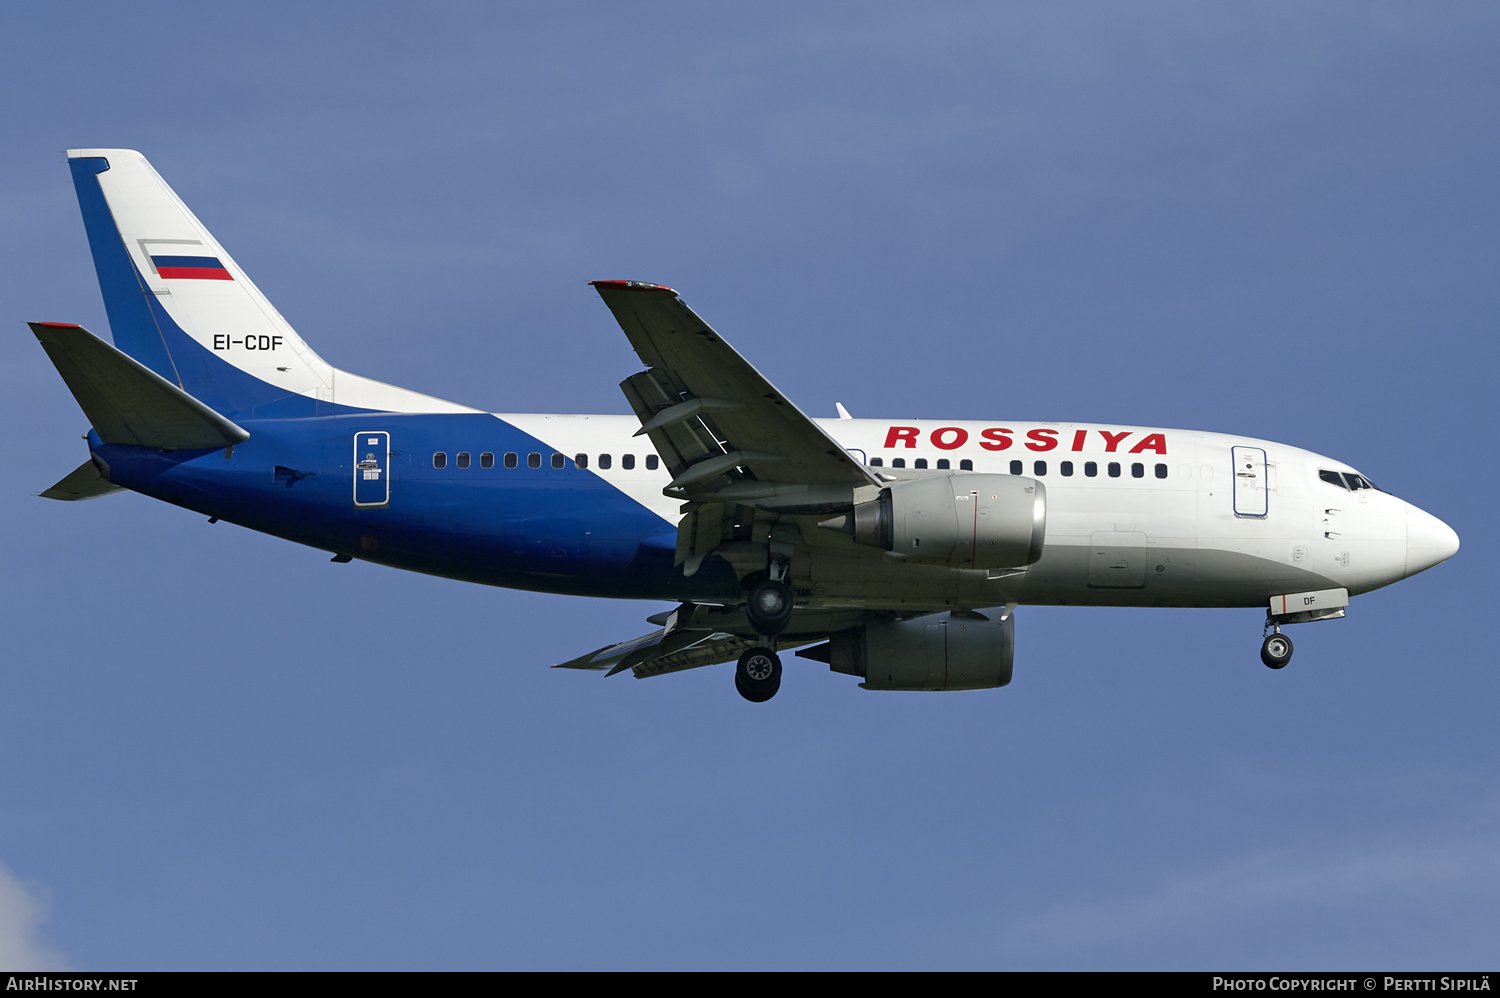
[{"x": 1270, "y": 219}]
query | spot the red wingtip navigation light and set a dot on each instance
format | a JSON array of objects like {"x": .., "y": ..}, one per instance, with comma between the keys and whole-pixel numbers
[{"x": 631, "y": 286}]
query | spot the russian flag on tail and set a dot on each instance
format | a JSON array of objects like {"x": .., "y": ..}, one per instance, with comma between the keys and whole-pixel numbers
[{"x": 195, "y": 268}]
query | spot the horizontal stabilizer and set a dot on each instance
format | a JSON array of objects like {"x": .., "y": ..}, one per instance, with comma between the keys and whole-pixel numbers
[
  {"x": 126, "y": 402},
  {"x": 85, "y": 482}
]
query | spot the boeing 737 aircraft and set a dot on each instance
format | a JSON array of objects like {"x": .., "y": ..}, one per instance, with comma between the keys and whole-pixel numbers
[{"x": 897, "y": 550}]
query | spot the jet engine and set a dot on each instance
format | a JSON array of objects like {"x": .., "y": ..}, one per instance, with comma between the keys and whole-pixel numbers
[
  {"x": 966, "y": 521},
  {"x": 941, "y": 651}
]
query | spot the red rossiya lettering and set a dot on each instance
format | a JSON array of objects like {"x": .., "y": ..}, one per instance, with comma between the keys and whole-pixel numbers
[
  {"x": 1000, "y": 438},
  {"x": 908, "y": 434},
  {"x": 1154, "y": 442},
  {"x": 949, "y": 437},
  {"x": 1041, "y": 439},
  {"x": 995, "y": 438}
]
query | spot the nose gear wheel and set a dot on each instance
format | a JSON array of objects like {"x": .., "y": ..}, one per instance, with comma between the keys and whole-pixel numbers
[{"x": 1276, "y": 650}]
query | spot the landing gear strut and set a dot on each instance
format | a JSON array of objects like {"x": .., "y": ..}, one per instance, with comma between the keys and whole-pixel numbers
[
  {"x": 757, "y": 675},
  {"x": 1276, "y": 650}
]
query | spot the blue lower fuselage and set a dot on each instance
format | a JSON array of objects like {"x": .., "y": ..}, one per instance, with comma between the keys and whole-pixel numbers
[{"x": 561, "y": 530}]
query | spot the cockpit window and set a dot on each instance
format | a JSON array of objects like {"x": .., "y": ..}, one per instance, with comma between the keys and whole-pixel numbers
[
  {"x": 1332, "y": 478},
  {"x": 1347, "y": 480}
]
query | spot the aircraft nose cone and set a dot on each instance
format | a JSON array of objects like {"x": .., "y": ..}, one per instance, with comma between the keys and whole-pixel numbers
[{"x": 1429, "y": 541}]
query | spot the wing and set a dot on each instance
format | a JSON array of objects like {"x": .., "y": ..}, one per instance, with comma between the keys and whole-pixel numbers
[
  {"x": 693, "y": 635},
  {"x": 724, "y": 431},
  {"x": 690, "y": 636},
  {"x": 655, "y": 655}
]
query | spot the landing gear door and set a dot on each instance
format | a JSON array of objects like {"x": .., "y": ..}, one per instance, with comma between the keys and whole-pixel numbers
[
  {"x": 1249, "y": 481},
  {"x": 372, "y": 468}
]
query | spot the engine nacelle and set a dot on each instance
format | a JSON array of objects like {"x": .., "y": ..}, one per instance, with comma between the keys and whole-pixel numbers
[
  {"x": 941, "y": 651},
  {"x": 967, "y": 521}
]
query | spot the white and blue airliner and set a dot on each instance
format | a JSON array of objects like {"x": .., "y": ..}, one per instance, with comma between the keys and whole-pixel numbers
[{"x": 895, "y": 552}]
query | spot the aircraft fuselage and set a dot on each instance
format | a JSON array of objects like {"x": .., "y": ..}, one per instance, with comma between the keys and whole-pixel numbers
[{"x": 1135, "y": 516}]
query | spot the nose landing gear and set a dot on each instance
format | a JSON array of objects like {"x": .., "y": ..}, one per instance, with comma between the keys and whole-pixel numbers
[
  {"x": 1276, "y": 650},
  {"x": 1297, "y": 608}
]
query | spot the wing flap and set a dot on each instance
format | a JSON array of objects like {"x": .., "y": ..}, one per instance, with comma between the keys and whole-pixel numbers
[
  {"x": 680, "y": 442},
  {"x": 661, "y": 652},
  {"x": 701, "y": 402},
  {"x": 710, "y": 649},
  {"x": 695, "y": 635}
]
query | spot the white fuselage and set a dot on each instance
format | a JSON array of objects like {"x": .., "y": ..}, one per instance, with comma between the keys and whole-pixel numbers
[{"x": 1136, "y": 516}]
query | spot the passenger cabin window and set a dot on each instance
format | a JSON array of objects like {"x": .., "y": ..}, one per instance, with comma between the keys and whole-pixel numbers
[
  {"x": 1161, "y": 471},
  {"x": 558, "y": 461},
  {"x": 964, "y": 465},
  {"x": 1066, "y": 467},
  {"x": 440, "y": 460},
  {"x": 1137, "y": 470},
  {"x": 920, "y": 462},
  {"x": 581, "y": 460},
  {"x": 462, "y": 459},
  {"x": 942, "y": 464},
  {"x": 1015, "y": 467},
  {"x": 533, "y": 460},
  {"x": 1040, "y": 468},
  {"x": 627, "y": 461},
  {"x": 652, "y": 461},
  {"x": 1114, "y": 469},
  {"x": 1091, "y": 469},
  {"x": 604, "y": 462},
  {"x": 486, "y": 460},
  {"x": 898, "y": 462},
  {"x": 510, "y": 459},
  {"x": 876, "y": 462}
]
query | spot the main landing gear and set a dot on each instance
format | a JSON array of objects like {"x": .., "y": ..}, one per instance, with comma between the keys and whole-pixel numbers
[
  {"x": 757, "y": 675},
  {"x": 768, "y": 608},
  {"x": 1276, "y": 650}
]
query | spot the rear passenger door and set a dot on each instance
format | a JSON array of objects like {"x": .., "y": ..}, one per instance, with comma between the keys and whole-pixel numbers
[{"x": 372, "y": 469}]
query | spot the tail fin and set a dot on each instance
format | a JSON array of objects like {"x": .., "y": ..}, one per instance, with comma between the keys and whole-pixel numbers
[{"x": 181, "y": 306}]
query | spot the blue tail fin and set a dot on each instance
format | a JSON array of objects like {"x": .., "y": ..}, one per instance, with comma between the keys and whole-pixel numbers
[{"x": 181, "y": 306}]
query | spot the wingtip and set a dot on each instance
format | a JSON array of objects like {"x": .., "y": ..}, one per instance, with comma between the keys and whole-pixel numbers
[
  {"x": 631, "y": 286},
  {"x": 44, "y": 330}
]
